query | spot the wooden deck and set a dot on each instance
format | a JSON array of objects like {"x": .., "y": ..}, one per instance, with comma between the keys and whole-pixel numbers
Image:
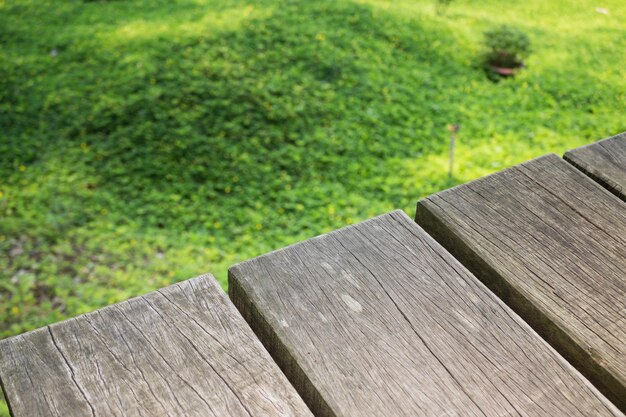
[
  {"x": 180, "y": 351},
  {"x": 506, "y": 297},
  {"x": 378, "y": 319},
  {"x": 604, "y": 161},
  {"x": 551, "y": 243}
]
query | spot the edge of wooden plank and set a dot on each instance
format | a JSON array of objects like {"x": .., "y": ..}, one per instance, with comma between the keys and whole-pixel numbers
[
  {"x": 6, "y": 397},
  {"x": 207, "y": 276},
  {"x": 556, "y": 336},
  {"x": 46, "y": 328},
  {"x": 572, "y": 157},
  {"x": 278, "y": 351},
  {"x": 270, "y": 338}
]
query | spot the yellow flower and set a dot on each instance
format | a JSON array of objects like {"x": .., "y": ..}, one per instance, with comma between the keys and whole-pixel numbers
[
  {"x": 320, "y": 37},
  {"x": 15, "y": 310}
]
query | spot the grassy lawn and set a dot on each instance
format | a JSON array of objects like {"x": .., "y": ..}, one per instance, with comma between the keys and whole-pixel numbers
[{"x": 144, "y": 142}]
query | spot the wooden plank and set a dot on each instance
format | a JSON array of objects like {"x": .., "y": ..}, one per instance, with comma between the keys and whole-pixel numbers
[
  {"x": 552, "y": 244},
  {"x": 604, "y": 161},
  {"x": 181, "y": 351},
  {"x": 377, "y": 319}
]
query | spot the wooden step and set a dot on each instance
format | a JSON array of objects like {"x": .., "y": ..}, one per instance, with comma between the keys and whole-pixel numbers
[
  {"x": 181, "y": 351},
  {"x": 377, "y": 319},
  {"x": 604, "y": 161},
  {"x": 551, "y": 243}
]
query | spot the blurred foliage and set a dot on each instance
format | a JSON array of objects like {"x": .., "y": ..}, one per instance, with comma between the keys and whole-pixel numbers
[
  {"x": 146, "y": 142},
  {"x": 441, "y": 6}
]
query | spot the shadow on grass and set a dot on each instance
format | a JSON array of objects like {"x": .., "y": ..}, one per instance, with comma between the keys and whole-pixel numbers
[{"x": 184, "y": 130}]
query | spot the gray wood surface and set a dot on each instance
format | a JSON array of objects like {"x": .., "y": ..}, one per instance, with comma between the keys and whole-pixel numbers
[
  {"x": 181, "y": 351},
  {"x": 604, "y": 161},
  {"x": 551, "y": 243},
  {"x": 377, "y": 319}
]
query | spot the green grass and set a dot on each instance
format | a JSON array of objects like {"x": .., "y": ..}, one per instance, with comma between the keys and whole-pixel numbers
[{"x": 170, "y": 138}]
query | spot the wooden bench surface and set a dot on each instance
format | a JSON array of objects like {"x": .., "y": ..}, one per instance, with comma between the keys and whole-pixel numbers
[
  {"x": 604, "y": 161},
  {"x": 551, "y": 243},
  {"x": 377, "y": 319},
  {"x": 180, "y": 351}
]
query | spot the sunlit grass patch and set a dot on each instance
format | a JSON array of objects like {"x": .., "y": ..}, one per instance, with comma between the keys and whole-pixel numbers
[{"x": 145, "y": 142}]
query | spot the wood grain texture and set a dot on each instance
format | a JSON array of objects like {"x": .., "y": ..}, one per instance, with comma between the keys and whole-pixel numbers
[
  {"x": 377, "y": 319},
  {"x": 181, "y": 351},
  {"x": 604, "y": 161},
  {"x": 551, "y": 243}
]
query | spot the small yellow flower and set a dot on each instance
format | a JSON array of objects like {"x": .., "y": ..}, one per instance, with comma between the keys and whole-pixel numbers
[
  {"x": 22, "y": 168},
  {"x": 320, "y": 37},
  {"x": 15, "y": 310}
]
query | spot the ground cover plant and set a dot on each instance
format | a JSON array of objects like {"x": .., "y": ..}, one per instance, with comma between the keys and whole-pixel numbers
[{"x": 144, "y": 142}]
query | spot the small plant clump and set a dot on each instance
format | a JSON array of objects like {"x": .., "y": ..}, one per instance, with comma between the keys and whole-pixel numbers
[{"x": 507, "y": 47}]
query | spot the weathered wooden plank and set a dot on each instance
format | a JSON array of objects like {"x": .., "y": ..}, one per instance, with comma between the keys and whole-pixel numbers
[
  {"x": 604, "y": 161},
  {"x": 551, "y": 243},
  {"x": 377, "y": 319},
  {"x": 181, "y": 351}
]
